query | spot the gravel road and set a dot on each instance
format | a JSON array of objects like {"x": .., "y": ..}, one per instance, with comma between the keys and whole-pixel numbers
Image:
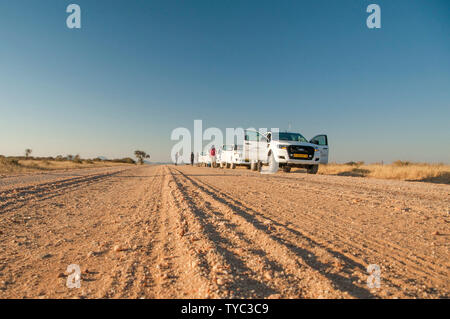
[{"x": 189, "y": 232}]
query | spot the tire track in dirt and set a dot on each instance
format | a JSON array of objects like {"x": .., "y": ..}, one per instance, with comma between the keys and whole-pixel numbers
[
  {"x": 147, "y": 272},
  {"x": 182, "y": 264},
  {"x": 82, "y": 227},
  {"x": 153, "y": 227},
  {"x": 245, "y": 254},
  {"x": 357, "y": 184},
  {"x": 134, "y": 277},
  {"x": 357, "y": 264},
  {"x": 225, "y": 274},
  {"x": 306, "y": 272},
  {"x": 364, "y": 242},
  {"x": 16, "y": 198}
]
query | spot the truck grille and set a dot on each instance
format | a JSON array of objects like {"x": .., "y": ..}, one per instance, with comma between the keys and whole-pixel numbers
[{"x": 298, "y": 149}]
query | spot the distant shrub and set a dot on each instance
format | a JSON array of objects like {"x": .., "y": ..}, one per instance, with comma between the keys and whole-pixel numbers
[
  {"x": 89, "y": 161},
  {"x": 77, "y": 159},
  {"x": 28, "y": 151},
  {"x": 9, "y": 161},
  {"x": 359, "y": 163},
  {"x": 98, "y": 159},
  {"x": 141, "y": 156},
  {"x": 22, "y": 158},
  {"x": 126, "y": 160},
  {"x": 401, "y": 163},
  {"x": 60, "y": 158}
]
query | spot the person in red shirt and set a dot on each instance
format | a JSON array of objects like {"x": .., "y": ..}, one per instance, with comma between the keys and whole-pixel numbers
[{"x": 212, "y": 154}]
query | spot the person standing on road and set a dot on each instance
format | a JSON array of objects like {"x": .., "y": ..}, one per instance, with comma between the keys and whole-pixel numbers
[
  {"x": 176, "y": 158},
  {"x": 212, "y": 154},
  {"x": 192, "y": 158}
]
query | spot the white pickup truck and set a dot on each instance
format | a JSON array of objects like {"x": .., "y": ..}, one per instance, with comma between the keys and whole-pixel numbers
[
  {"x": 287, "y": 149},
  {"x": 204, "y": 159},
  {"x": 231, "y": 156}
]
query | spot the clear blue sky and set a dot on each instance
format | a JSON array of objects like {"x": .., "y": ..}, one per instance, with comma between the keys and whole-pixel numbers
[{"x": 138, "y": 69}]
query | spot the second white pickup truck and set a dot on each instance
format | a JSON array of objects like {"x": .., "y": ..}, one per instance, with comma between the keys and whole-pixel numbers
[
  {"x": 232, "y": 156},
  {"x": 203, "y": 159}
]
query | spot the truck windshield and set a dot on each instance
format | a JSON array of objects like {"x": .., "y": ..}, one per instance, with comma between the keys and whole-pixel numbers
[{"x": 296, "y": 137}]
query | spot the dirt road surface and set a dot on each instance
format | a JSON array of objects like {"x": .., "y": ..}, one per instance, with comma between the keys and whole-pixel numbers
[{"x": 190, "y": 232}]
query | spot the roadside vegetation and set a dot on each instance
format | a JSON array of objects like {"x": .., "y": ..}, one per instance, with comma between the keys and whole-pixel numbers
[
  {"x": 141, "y": 156},
  {"x": 28, "y": 164},
  {"x": 400, "y": 170}
]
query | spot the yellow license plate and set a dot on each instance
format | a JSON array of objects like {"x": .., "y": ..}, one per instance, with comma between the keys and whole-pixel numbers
[{"x": 301, "y": 155}]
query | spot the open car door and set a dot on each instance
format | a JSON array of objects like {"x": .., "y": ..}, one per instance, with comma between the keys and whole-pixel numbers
[{"x": 322, "y": 144}]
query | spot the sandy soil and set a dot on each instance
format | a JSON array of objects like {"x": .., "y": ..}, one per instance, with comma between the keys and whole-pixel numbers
[{"x": 188, "y": 232}]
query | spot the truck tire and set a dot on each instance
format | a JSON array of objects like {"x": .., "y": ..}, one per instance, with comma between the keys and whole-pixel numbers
[
  {"x": 313, "y": 169},
  {"x": 259, "y": 166},
  {"x": 253, "y": 166},
  {"x": 233, "y": 165},
  {"x": 286, "y": 169}
]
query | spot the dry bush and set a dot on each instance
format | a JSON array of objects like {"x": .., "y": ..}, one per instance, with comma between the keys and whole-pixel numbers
[
  {"x": 401, "y": 170},
  {"x": 9, "y": 165},
  {"x": 21, "y": 165},
  {"x": 401, "y": 163}
]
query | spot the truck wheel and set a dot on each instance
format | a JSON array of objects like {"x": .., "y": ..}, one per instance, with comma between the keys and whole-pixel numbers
[
  {"x": 253, "y": 166},
  {"x": 286, "y": 169},
  {"x": 259, "y": 166},
  {"x": 233, "y": 165},
  {"x": 313, "y": 169}
]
